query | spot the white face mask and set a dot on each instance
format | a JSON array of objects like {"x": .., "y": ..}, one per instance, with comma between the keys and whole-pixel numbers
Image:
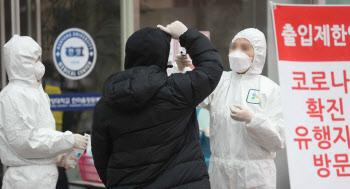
[
  {"x": 239, "y": 61},
  {"x": 39, "y": 70}
]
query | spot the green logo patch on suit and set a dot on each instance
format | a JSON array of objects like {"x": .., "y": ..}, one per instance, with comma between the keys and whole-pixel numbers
[{"x": 253, "y": 96}]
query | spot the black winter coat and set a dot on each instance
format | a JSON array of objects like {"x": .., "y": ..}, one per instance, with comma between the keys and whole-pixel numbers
[{"x": 145, "y": 130}]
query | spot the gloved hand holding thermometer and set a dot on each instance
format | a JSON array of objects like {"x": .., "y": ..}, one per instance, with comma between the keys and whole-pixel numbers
[{"x": 182, "y": 60}]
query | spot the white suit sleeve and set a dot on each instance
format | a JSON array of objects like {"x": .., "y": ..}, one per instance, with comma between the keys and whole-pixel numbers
[
  {"x": 28, "y": 141},
  {"x": 267, "y": 129}
]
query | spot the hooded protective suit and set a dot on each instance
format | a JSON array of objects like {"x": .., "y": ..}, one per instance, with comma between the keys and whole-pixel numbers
[
  {"x": 29, "y": 143},
  {"x": 242, "y": 154}
]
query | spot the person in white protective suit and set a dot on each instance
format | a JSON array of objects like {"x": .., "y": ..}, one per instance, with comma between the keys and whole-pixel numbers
[
  {"x": 29, "y": 144},
  {"x": 247, "y": 127}
]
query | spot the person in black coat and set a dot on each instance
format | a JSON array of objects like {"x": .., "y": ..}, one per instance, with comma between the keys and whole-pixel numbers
[{"x": 145, "y": 132}]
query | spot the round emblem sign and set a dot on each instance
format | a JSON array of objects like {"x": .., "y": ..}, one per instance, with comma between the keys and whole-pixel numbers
[{"x": 74, "y": 53}]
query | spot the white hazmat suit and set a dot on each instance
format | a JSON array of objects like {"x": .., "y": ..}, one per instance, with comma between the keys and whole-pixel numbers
[
  {"x": 29, "y": 143},
  {"x": 243, "y": 153}
]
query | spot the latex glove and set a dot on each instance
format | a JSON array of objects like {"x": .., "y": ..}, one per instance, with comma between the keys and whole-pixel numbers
[
  {"x": 80, "y": 141},
  {"x": 240, "y": 113},
  {"x": 183, "y": 61},
  {"x": 61, "y": 162},
  {"x": 175, "y": 29}
]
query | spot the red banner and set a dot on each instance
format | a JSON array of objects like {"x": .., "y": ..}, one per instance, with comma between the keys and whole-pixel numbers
[{"x": 313, "y": 33}]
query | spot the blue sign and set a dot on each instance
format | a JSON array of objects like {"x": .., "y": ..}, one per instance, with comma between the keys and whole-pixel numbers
[
  {"x": 74, "y": 102},
  {"x": 74, "y": 53}
]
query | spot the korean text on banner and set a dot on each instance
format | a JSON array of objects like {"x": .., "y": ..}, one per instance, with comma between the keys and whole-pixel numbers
[{"x": 313, "y": 47}]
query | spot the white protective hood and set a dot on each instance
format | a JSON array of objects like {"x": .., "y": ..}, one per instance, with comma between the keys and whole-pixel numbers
[
  {"x": 20, "y": 55},
  {"x": 257, "y": 39}
]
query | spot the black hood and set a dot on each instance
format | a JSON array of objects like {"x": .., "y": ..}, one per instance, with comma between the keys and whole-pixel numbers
[
  {"x": 147, "y": 52},
  {"x": 133, "y": 88},
  {"x": 146, "y": 47}
]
